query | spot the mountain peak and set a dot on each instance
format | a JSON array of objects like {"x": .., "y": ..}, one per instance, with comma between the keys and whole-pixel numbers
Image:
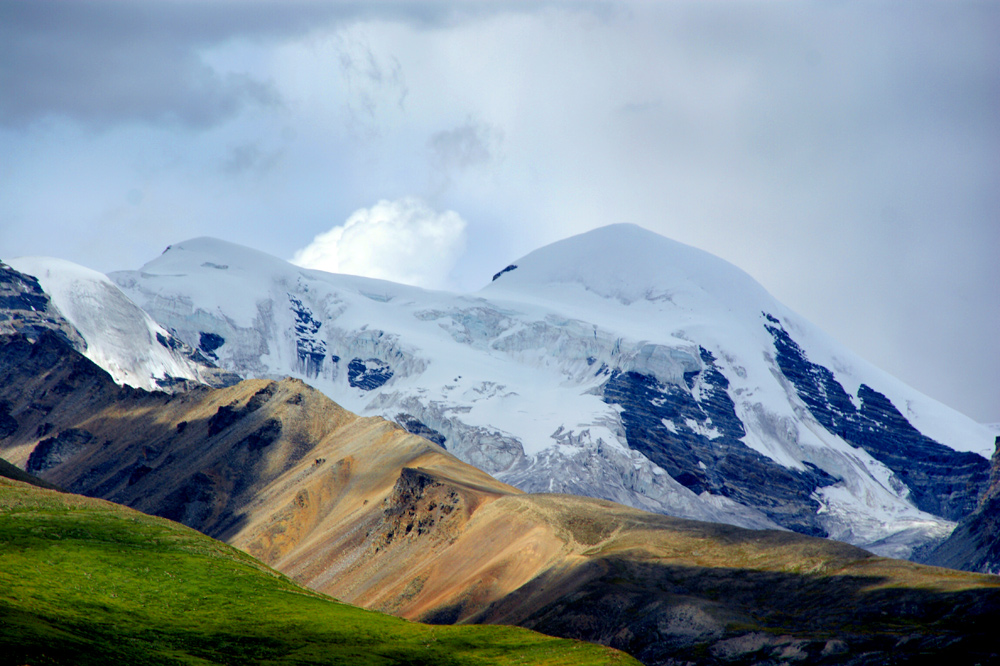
[
  {"x": 209, "y": 253},
  {"x": 628, "y": 263}
]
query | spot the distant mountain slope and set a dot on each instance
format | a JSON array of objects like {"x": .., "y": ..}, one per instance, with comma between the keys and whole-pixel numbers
[
  {"x": 361, "y": 509},
  {"x": 117, "y": 334},
  {"x": 615, "y": 364},
  {"x": 88, "y": 582},
  {"x": 975, "y": 543}
]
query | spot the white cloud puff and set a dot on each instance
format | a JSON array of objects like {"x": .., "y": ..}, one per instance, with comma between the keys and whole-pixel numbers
[{"x": 404, "y": 241}]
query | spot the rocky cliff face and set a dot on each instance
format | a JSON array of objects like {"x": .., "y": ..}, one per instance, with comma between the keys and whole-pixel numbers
[
  {"x": 975, "y": 543},
  {"x": 691, "y": 430},
  {"x": 939, "y": 480}
]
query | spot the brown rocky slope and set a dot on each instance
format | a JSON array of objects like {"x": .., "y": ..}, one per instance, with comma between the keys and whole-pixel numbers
[{"x": 362, "y": 510}]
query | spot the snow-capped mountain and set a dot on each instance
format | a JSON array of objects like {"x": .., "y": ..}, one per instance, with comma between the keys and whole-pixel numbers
[
  {"x": 114, "y": 332},
  {"x": 617, "y": 364},
  {"x": 26, "y": 309}
]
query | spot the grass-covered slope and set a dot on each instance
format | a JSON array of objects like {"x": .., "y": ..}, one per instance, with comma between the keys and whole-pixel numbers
[{"x": 84, "y": 581}]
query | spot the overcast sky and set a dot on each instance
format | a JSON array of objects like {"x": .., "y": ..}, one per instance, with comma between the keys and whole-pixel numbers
[{"x": 845, "y": 154}]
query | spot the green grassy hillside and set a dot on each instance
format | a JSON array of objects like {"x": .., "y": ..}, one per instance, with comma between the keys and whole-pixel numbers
[{"x": 84, "y": 581}]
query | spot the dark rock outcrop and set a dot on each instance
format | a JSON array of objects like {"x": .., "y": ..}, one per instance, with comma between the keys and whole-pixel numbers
[
  {"x": 419, "y": 503},
  {"x": 209, "y": 342},
  {"x": 368, "y": 374},
  {"x": 701, "y": 447},
  {"x": 56, "y": 450},
  {"x": 415, "y": 426},
  {"x": 505, "y": 270},
  {"x": 14, "y": 472},
  {"x": 310, "y": 348}
]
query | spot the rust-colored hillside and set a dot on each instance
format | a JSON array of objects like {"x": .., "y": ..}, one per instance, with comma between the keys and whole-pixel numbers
[{"x": 362, "y": 510}]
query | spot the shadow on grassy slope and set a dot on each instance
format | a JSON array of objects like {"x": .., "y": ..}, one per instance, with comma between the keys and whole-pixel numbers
[{"x": 668, "y": 613}]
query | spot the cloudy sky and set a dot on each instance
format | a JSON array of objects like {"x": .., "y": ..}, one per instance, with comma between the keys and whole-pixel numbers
[{"x": 845, "y": 154}]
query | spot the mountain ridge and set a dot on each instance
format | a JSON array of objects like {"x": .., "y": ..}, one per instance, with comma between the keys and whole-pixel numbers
[
  {"x": 114, "y": 332},
  {"x": 975, "y": 544}
]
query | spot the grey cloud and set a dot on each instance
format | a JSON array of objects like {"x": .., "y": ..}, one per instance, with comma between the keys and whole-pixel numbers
[
  {"x": 250, "y": 157},
  {"x": 375, "y": 86},
  {"x": 469, "y": 145},
  {"x": 105, "y": 62}
]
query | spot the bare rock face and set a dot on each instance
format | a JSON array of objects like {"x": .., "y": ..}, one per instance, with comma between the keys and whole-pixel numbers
[
  {"x": 689, "y": 427},
  {"x": 53, "y": 451},
  {"x": 975, "y": 543},
  {"x": 940, "y": 480},
  {"x": 420, "y": 504}
]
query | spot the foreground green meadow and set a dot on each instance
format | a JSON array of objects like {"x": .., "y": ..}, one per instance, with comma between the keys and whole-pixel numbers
[{"x": 84, "y": 581}]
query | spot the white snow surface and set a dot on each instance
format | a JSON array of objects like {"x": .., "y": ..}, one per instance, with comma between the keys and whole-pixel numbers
[
  {"x": 509, "y": 374},
  {"x": 120, "y": 336}
]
